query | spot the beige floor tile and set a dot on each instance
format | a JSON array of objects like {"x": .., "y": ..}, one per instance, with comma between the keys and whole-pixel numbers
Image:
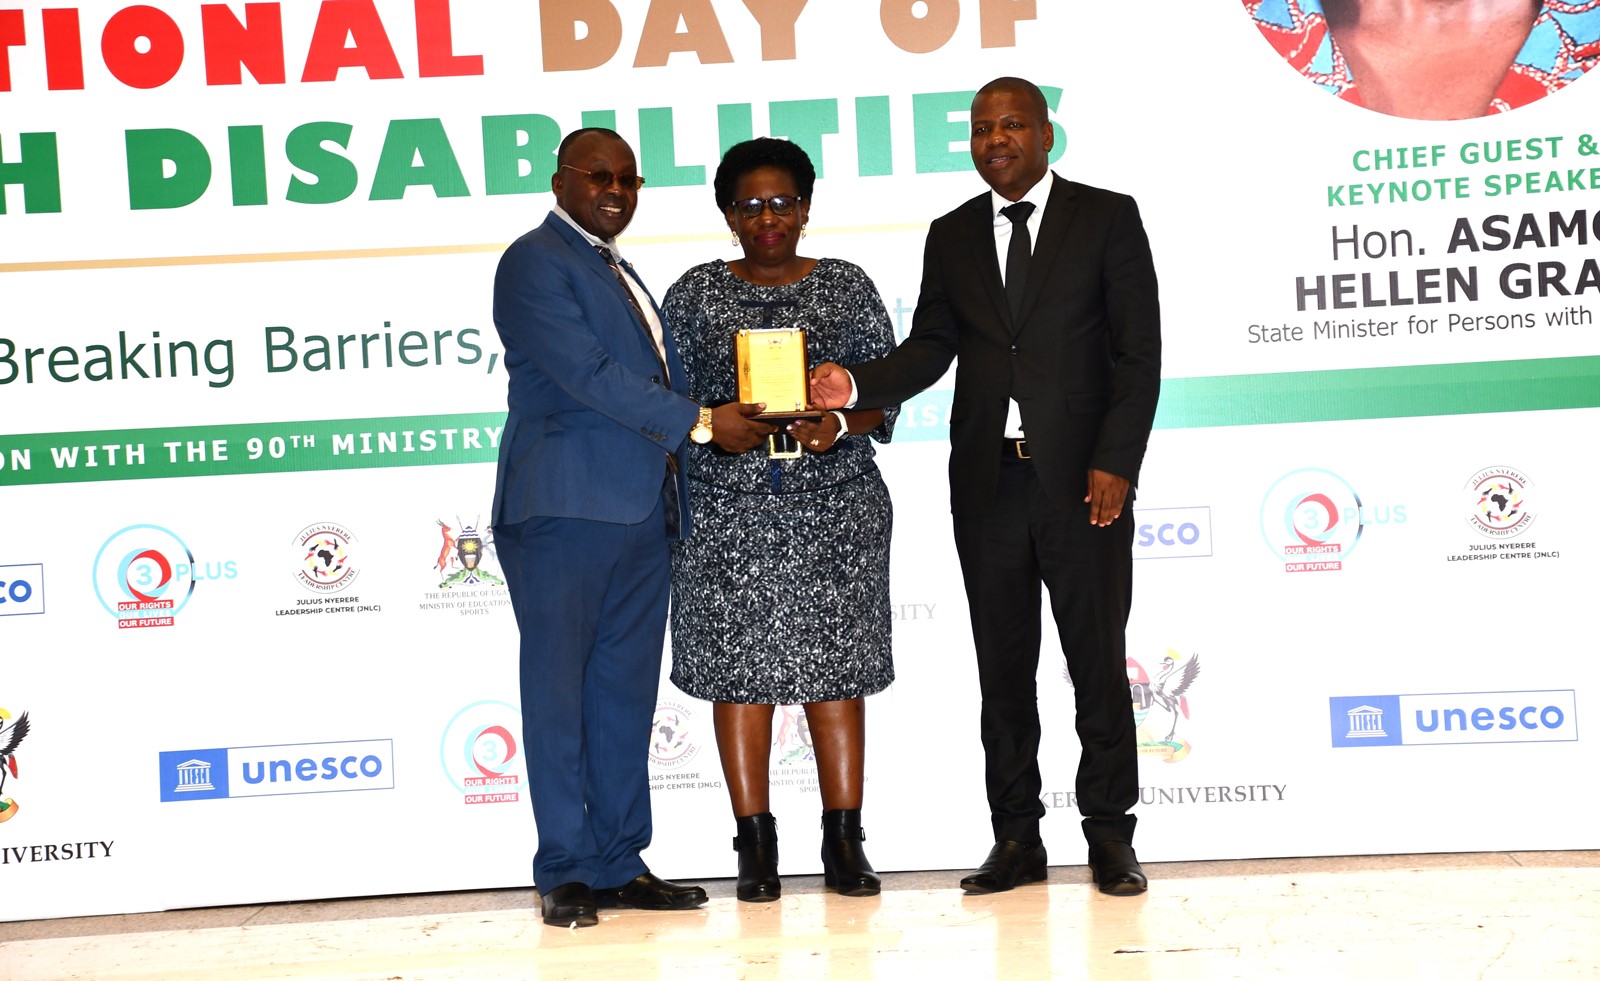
[{"x": 1490, "y": 916}]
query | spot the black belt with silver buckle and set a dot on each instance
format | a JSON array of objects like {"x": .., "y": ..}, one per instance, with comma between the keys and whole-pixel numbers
[{"x": 1015, "y": 449}]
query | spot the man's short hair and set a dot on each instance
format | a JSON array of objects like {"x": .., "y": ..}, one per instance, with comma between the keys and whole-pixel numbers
[
  {"x": 566, "y": 141},
  {"x": 1011, "y": 83}
]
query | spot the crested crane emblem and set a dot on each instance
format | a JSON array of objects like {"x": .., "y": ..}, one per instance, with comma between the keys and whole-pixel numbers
[
  {"x": 1163, "y": 703},
  {"x": 11, "y": 736}
]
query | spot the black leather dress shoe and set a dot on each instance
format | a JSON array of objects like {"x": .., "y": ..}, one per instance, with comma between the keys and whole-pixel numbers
[
  {"x": 1116, "y": 869},
  {"x": 651, "y": 892},
  {"x": 1010, "y": 863},
  {"x": 569, "y": 904}
]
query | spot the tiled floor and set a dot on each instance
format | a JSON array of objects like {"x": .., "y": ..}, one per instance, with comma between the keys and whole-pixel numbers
[{"x": 1512, "y": 916}]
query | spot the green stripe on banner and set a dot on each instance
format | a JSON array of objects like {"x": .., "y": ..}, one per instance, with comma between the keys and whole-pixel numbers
[
  {"x": 411, "y": 441},
  {"x": 1380, "y": 393},
  {"x": 270, "y": 447},
  {"x": 1344, "y": 394}
]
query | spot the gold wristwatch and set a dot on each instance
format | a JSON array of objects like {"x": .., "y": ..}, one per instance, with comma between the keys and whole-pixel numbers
[{"x": 701, "y": 433}]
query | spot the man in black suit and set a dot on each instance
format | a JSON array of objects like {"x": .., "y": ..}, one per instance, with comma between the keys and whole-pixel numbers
[{"x": 1058, "y": 351}]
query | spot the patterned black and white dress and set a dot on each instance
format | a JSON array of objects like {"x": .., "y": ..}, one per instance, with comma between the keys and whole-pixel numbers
[{"x": 781, "y": 595}]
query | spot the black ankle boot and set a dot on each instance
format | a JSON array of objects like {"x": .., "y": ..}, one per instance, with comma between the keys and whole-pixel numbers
[
  {"x": 757, "y": 845},
  {"x": 845, "y": 868}
]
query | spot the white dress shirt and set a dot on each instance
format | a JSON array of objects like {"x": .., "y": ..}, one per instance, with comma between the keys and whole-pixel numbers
[
  {"x": 646, "y": 307},
  {"x": 1037, "y": 195}
]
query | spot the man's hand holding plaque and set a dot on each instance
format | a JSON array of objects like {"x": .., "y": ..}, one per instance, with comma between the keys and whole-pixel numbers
[{"x": 737, "y": 427}]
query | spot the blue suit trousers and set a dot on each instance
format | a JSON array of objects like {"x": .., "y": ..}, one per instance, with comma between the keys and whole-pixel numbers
[{"x": 590, "y": 599}]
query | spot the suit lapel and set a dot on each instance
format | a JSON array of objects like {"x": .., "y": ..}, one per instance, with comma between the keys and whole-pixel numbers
[
  {"x": 1058, "y": 214},
  {"x": 590, "y": 259},
  {"x": 977, "y": 236},
  {"x": 675, "y": 377}
]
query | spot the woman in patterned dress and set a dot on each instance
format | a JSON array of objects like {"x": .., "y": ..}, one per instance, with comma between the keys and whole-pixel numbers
[{"x": 781, "y": 596}]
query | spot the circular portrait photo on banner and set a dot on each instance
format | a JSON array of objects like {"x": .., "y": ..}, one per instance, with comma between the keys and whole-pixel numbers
[{"x": 1434, "y": 59}]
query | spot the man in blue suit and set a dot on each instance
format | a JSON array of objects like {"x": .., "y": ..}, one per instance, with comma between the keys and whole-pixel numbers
[{"x": 589, "y": 492}]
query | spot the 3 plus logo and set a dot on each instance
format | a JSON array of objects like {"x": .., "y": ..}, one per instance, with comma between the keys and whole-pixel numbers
[
  {"x": 21, "y": 589},
  {"x": 144, "y": 575}
]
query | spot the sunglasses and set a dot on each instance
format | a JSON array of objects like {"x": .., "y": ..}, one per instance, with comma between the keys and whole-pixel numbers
[
  {"x": 604, "y": 178},
  {"x": 781, "y": 204}
]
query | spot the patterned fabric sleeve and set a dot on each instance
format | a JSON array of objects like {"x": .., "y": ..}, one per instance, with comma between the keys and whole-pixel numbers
[
  {"x": 871, "y": 336},
  {"x": 685, "y": 316}
]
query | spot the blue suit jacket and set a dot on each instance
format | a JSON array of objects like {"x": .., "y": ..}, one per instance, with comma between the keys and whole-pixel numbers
[{"x": 589, "y": 422}]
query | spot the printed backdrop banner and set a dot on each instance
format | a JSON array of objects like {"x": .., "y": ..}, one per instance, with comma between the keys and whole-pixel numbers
[{"x": 254, "y": 638}]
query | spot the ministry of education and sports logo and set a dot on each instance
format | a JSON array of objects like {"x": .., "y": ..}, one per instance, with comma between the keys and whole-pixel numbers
[
  {"x": 464, "y": 578},
  {"x": 325, "y": 557},
  {"x": 793, "y": 757},
  {"x": 1499, "y": 501},
  {"x": 791, "y": 744},
  {"x": 670, "y": 732},
  {"x": 465, "y": 556},
  {"x": 1162, "y": 704}
]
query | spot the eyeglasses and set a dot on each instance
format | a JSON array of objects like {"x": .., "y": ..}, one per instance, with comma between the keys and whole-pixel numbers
[
  {"x": 604, "y": 178},
  {"x": 781, "y": 204}
]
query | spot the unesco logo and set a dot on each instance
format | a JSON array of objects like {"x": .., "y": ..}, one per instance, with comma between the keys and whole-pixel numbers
[
  {"x": 1172, "y": 533},
  {"x": 21, "y": 589},
  {"x": 1454, "y": 717},
  {"x": 273, "y": 771}
]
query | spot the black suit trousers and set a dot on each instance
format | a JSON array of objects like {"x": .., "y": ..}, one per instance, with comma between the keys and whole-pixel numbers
[{"x": 1025, "y": 540}]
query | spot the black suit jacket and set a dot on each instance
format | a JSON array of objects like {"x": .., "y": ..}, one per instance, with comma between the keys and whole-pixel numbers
[{"x": 1083, "y": 362}]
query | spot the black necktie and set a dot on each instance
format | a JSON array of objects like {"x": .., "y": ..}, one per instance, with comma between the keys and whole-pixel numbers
[
  {"x": 1018, "y": 253},
  {"x": 622, "y": 278}
]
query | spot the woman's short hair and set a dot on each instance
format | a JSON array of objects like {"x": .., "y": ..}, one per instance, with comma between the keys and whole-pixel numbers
[{"x": 764, "y": 151}]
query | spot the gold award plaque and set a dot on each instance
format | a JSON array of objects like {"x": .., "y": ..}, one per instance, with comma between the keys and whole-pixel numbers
[{"x": 771, "y": 364}]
